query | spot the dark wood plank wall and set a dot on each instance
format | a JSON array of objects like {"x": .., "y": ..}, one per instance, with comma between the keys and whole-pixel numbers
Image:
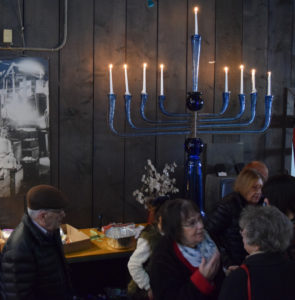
[
  {"x": 255, "y": 43},
  {"x": 172, "y": 30},
  {"x": 280, "y": 18},
  {"x": 98, "y": 170},
  {"x": 229, "y": 20},
  {"x": 141, "y": 46},
  {"x": 76, "y": 112},
  {"x": 108, "y": 160}
]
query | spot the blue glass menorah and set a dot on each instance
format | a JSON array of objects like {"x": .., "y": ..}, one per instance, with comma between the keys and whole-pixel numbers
[{"x": 192, "y": 124}]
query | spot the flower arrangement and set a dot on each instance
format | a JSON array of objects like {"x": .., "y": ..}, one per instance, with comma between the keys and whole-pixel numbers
[{"x": 156, "y": 184}]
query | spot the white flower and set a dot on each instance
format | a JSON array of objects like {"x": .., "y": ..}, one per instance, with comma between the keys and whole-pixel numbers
[{"x": 156, "y": 184}]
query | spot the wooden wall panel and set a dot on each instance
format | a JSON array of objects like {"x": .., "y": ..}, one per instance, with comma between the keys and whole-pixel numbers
[
  {"x": 141, "y": 39},
  {"x": 10, "y": 17},
  {"x": 229, "y": 21},
  {"x": 42, "y": 30},
  {"x": 108, "y": 163},
  {"x": 279, "y": 62},
  {"x": 255, "y": 17},
  {"x": 76, "y": 113},
  {"x": 172, "y": 49}
]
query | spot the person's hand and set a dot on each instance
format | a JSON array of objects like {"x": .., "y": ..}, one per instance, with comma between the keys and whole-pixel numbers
[
  {"x": 209, "y": 269},
  {"x": 150, "y": 294},
  {"x": 230, "y": 269}
]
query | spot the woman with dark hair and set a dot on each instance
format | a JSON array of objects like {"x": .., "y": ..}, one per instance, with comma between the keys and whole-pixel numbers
[
  {"x": 266, "y": 273},
  {"x": 186, "y": 263},
  {"x": 279, "y": 191},
  {"x": 223, "y": 223}
]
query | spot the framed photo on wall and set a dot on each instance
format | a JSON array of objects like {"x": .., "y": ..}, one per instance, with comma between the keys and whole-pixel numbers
[{"x": 24, "y": 132}]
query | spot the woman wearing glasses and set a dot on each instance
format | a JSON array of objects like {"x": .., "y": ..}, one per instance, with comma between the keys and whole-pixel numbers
[
  {"x": 186, "y": 263},
  {"x": 223, "y": 223}
]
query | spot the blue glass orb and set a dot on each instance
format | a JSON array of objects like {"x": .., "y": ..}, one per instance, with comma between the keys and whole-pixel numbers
[
  {"x": 151, "y": 3},
  {"x": 193, "y": 146},
  {"x": 194, "y": 101}
]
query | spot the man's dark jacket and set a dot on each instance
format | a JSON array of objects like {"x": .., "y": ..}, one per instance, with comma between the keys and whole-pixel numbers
[{"x": 33, "y": 265}]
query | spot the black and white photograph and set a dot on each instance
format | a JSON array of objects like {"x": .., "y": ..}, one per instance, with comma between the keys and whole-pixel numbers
[{"x": 24, "y": 126}]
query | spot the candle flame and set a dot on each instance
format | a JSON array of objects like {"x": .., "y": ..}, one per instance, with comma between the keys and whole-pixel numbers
[
  {"x": 253, "y": 71},
  {"x": 242, "y": 67},
  {"x": 144, "y": 65},
  {"x": 125, "y": 66},
  {"x": 161, "y": 66},
  {"x": 269, "y": 73},
  {"x": 226, "y": 69},
  {"x": 110, "y": 66},
  {"x": 196, "y": 9}
]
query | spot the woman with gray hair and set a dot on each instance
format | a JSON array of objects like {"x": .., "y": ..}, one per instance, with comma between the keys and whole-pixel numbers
[{"x": 266, "y": 273}]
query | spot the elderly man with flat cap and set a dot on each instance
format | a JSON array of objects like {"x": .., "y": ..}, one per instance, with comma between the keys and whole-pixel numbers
[{"x": 33, "y": 263}]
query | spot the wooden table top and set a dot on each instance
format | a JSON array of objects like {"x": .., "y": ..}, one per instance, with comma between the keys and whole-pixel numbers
[{"x": 98, "y": 250}]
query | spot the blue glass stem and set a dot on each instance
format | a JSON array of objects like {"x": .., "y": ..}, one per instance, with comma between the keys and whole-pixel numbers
[
  {"x": 112, "y": 106},
  {"x": 193, "y": 172},
  {"x": 268, "y": 107},
  {"x": 225, "y": 102},
  {"x": 236, "y": 117},
  {"x": 128, "y": 115},
  {"x": 144, "y": 98},
  {"x": 166, "y": 113},
  {"x": 241, "y": 124}
]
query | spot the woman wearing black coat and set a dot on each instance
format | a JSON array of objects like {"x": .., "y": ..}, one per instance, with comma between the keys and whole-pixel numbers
[
  {"x": 266, "y": 234},
  {"x": 223, "y": 223}
]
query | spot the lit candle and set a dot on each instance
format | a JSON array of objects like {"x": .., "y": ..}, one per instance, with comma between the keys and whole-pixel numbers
[
  {"x": 126, "y": 81},
  {"x": 144, "y": 79},
  {"x": 226, "y": 80},
  {"x": 196, "y": 20},
  {"x": 253, "y": 80},
  {"x": 242, "y": 80},
  {"x": 268, "y": 83},
  {"x": 111, "y": 79},
  {"x": 162, "y": 81}
]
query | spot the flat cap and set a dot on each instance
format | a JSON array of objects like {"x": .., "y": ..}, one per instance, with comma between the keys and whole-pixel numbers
[{"x": 45, "y": 197}]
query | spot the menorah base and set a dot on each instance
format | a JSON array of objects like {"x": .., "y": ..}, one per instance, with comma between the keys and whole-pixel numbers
[{"x": 193, "y": 172}]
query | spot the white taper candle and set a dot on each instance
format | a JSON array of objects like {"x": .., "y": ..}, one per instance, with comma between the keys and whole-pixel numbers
[
  {"x": 196, "y": 20},
  {"x": 253, "y": 71},
  {"x": 162, "y": 80},
  {"x": 126, "y": 81},
  {"x": 111, "y": 79},
  {"x": 242, "y": 80},
  {"x": 226, "y": 79},
  {"x": 144, "y": 79},
  {"x": 268, "y": 83}
]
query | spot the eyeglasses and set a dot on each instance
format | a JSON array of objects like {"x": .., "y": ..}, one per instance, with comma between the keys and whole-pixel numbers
[
  {"x": 193, "y": 223},
  {"x": 56, "y": 211}
]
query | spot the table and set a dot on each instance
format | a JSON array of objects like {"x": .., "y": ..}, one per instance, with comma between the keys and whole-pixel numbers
[
  {"x": 99, "y": 266},
  {"x": 99, "y": 250}
]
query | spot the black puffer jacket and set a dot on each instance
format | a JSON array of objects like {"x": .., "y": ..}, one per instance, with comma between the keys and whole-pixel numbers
[
  {"x": 223, "y": 226},
  {"x": 33, "y": 265}
]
